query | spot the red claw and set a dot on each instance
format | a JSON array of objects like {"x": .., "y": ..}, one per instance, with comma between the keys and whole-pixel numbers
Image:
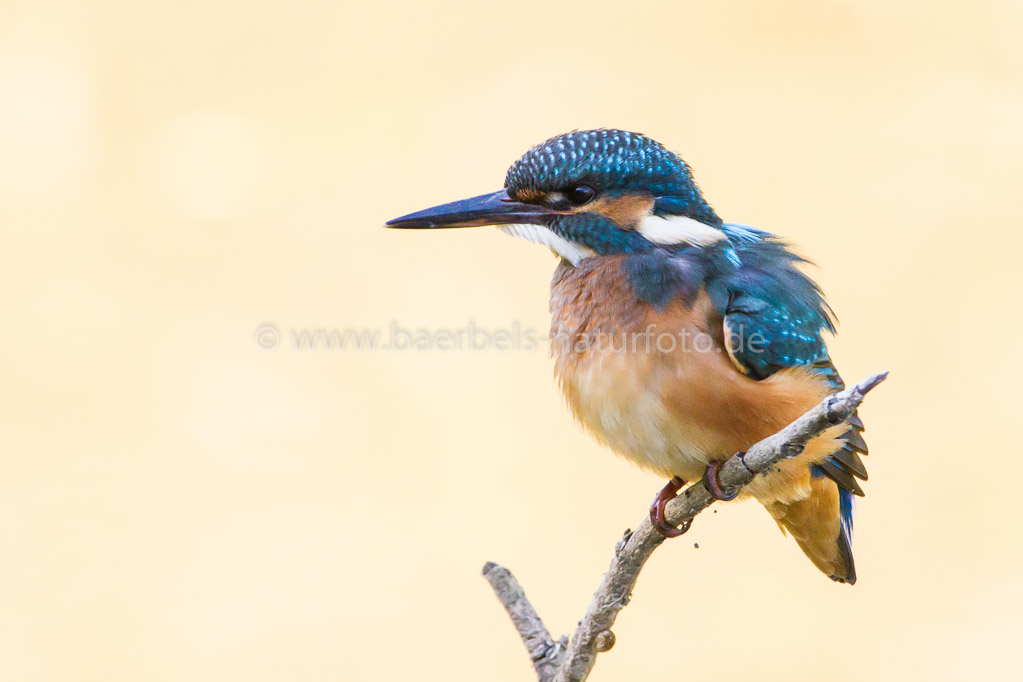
[
  {"x": 713, "y": 486},
  {"x": 667, "y": 494}
]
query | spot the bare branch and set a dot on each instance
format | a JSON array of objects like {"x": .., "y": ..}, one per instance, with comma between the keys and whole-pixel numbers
[
  {"x": 543, "y": 650},
  {"x": 632, "y": 551}
]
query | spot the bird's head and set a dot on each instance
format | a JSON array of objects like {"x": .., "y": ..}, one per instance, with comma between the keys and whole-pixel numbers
[{"x": 590, "y": 193}]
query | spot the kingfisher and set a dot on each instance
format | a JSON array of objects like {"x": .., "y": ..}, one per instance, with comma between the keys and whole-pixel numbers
[{"x": 679, "y": 339}]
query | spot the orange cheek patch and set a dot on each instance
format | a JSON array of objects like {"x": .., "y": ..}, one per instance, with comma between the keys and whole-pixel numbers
[
  {"x": 626, "y": 211},
  {"x": 528, "y": 195}
]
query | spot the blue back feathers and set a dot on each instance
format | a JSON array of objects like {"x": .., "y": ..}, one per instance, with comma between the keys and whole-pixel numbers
[
  {"x": 777, "y": 311},
  {"x": 755, "y": 283}
]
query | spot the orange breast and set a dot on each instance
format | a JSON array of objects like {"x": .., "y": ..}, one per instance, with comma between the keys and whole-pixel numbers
[{"x": 658, "y": 387}]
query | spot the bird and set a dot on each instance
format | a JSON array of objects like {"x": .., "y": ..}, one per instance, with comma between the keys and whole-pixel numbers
[{"x": 679, "y": 339}]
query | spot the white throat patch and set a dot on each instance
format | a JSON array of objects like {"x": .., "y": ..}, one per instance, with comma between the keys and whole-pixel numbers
[
  {"x": 538, "y": 234},
  {"x": 678, "y": 229}
]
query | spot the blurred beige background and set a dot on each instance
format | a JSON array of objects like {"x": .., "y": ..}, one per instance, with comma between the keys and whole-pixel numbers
[{"x": 178, "y": 504}]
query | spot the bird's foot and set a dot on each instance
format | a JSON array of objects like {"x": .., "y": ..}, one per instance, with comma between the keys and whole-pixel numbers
[
  {"x": 666, "y": 495},
  {"x": 713, "y": 486}
]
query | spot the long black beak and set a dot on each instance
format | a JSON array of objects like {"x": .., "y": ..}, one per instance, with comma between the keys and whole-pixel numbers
[{"x": 488, "y": 209}]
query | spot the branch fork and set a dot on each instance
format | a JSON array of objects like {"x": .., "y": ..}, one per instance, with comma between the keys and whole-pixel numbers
[{"x": 572, "y": 660}]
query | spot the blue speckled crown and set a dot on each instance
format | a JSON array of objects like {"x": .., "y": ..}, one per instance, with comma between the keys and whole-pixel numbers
[{"x": 610, "y": 159}]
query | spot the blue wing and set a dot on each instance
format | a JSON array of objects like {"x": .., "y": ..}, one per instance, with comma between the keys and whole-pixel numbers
[{"x": 774, "y": 318}]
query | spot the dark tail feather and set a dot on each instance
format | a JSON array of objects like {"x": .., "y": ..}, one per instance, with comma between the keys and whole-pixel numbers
[{"x": 846, "y": 507}]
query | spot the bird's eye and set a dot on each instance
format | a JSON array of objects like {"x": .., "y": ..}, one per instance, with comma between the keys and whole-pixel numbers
[{"x": 580, "y": 194}]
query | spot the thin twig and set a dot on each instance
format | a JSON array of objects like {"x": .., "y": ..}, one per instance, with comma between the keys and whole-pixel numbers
[
  {"x": 633, "y": 550},
  {"x": 543, "y": 650}
]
